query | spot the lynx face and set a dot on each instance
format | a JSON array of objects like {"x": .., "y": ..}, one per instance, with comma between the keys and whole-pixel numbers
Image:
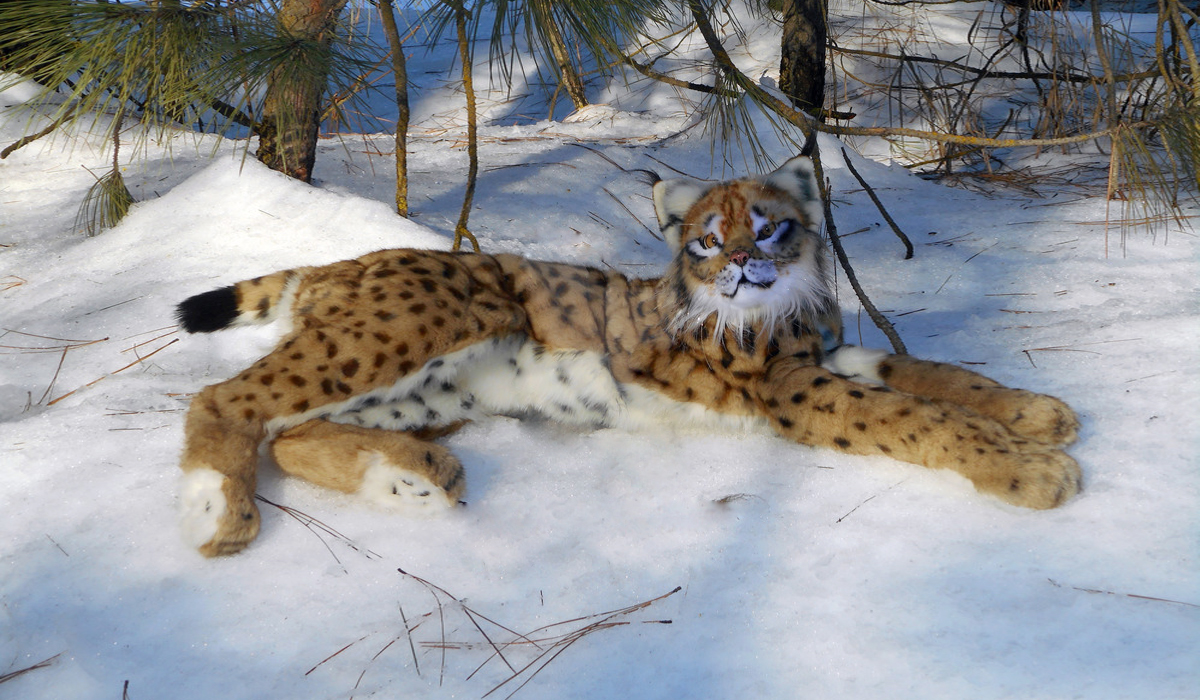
[{"x": 749, "y": 251}]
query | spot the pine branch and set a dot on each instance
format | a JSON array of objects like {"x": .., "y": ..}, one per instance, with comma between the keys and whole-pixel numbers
[{"x": 26, "y": 140}]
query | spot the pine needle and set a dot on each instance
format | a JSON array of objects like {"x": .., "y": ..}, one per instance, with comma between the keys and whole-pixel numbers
[
  {"x": 105, "y": 204},
  {"x": 20, "y": 672}
]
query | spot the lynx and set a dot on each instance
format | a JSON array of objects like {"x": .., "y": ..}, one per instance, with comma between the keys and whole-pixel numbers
[{"x": 383, "y": 354}]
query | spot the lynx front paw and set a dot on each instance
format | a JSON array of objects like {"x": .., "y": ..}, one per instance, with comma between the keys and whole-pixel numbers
[
  {"x": 1044, "y": 419},
  {"x": 1037, "y": 480},
  {"x": 213, "y": 519}
]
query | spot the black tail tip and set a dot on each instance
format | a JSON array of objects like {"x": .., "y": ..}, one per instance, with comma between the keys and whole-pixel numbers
[{"x": 208, "y": 312}]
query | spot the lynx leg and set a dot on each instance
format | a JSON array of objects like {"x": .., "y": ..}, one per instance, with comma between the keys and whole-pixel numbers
[
  {"x": 395, "y": 469},
  {"x": 356, "y": 335},
  {"x": 812, "y": 406},
  {"x": 227, "y": 421},
  {"x": 1038, "y": 417},
  {"x": 217, "y": 510}
]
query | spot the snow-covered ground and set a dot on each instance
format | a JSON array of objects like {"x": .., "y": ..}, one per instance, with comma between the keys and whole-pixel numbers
[{"x": 801, "y": 572}]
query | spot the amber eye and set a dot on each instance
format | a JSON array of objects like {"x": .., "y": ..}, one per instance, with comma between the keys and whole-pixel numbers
[
  {"x": 766, "y": 230},
  {"x": 709, "y": 240}
]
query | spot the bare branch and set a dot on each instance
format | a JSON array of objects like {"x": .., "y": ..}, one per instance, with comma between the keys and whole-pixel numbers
[
  {"x": 908, "y": 246},
  {"x": 986, "y": 73}
]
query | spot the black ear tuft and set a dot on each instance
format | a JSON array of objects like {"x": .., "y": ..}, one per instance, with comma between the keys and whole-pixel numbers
[{"x": 208, "y": 312}]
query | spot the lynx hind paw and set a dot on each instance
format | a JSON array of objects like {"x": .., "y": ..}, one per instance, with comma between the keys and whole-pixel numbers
[
  {"x": 414, "y": 490},
  {"x": 1044, "y": 419},
  {"x": 1038, "y": 480},
  {"x": 201, "y": 505},
  {"x": 211, "y": 519}
]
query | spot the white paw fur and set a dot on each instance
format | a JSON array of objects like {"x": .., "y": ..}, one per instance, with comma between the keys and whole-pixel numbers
[
  {"x": 201, "y": 505},
  {"x": 859, "y": 364},
  {"x": 401, "y": 489}
]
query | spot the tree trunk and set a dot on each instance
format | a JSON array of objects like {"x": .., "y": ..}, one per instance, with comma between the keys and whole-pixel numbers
[
  {"x": 291, "y": 117},
  {"x": 802, "y": 66},
  {"x": 567, "y": 75},
  {"x": 464, "y": 54},
  {"x": 400, "y": 70}
]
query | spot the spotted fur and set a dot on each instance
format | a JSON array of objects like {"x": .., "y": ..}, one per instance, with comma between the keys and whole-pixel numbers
[{"x": 383, "y": 353}]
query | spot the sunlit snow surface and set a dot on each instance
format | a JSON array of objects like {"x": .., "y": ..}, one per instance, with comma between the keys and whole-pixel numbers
[{"x": 803, "y": 573}]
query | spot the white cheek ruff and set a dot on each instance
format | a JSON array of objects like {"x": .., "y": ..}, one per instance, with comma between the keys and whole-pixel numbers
[{"x": 796, "y": 288}]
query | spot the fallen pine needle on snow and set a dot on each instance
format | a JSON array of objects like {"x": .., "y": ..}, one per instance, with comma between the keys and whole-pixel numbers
[
  {"x": 22, "y": 671},
  {"x": 98, "y": 379},
  {"x": 548, "y": 640},
  {"x": 1056, "y": 584},
  {"x": 316, "y": 527}
]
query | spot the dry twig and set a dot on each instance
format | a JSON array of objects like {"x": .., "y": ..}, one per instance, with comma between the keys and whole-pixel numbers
[
  {"x": 878, "y": 318},
  {"x": 22, "y": 671},
  {"x": 908, "y": 246}
]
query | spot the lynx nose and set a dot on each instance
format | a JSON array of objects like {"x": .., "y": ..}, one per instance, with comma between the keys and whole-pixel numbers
[{"x": 739, "y": 257}]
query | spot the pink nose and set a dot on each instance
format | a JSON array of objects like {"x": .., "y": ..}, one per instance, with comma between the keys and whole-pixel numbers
[{"x": 739, "y": 257}]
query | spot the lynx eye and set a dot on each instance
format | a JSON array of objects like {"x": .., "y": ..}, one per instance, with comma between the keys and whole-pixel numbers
[
  {"x": 770, "y": 232},
  {"x": 709, "y": 242}
]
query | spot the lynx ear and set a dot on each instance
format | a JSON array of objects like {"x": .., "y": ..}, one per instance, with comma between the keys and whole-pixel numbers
[
  {"x": 672, "y": 200},
  {"x": 796, "y": 177}
]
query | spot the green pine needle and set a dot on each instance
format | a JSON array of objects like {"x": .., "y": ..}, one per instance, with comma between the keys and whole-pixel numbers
[{"x": 105, "y": 204}]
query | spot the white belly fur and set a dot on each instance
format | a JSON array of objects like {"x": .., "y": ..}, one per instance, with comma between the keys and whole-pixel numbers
[{"x": 516, "y": 376}]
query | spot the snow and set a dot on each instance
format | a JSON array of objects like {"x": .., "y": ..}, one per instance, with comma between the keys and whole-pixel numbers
[{"x": 803, "y": 572}]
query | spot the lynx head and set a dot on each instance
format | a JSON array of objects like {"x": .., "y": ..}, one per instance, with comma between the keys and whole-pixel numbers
[{"x": 748, "y": 251}]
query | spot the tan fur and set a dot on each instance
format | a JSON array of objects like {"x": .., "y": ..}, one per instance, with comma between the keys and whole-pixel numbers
[
  {"x": 332, "y": 455},
  {"x": 361, "y": 327}
]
